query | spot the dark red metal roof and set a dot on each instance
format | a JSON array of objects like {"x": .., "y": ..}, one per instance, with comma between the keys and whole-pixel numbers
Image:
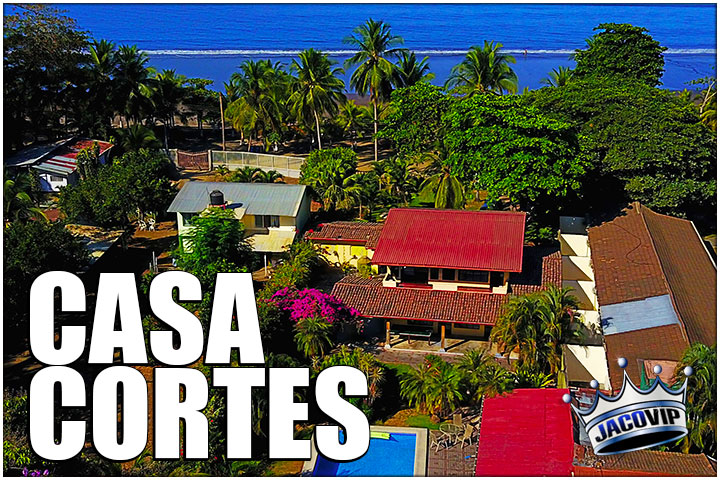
[
  {"x": 528, "y": 433},
  {"x": 485, "y": 240}
]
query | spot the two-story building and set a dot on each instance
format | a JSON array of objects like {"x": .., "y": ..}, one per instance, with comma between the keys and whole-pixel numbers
[
  {"x": 272, "y": 213},
  {"x": 448, "y": 271}
]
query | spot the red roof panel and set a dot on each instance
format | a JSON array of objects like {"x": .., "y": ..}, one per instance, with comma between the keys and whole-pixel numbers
[
  {"x": 527, "y": 433},
  {"x": 485, "y": 240}
]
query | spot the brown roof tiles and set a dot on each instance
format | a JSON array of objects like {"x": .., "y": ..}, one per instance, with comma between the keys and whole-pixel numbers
[
  {"x": 352, "y": 232},
  {"x": 649, "y": 462}
]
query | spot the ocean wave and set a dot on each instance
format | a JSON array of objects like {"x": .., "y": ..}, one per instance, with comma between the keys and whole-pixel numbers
[{"x": 284, "y": 53}]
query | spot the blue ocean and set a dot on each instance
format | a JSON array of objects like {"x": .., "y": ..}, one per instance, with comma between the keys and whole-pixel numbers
[{"x": 211, "y": 40}]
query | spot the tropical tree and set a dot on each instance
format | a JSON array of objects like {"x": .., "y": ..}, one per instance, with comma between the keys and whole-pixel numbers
[
  {"x": 131, "y": 79},
  {"x": 316, "y": 90},
  {"x": 364, "y": 361},
  {"x": 434, "y": 387},
  {"x": 245, "y": 174},
  {"x": 102, "y": 67},
  {"x": 397, "y": 177},
  {"x": 561, "y": 324},
  {"x": 374, "y": 74},
  {"x": 351, "y": 118},
  {"x": 410, "y": 71},
  {"x": 135, "y": 137},
  {"x": 623, "y": 52},
  {"x": 484, "y": 69},
  {"x": 558, "y": 77},
  {"x": 332, "y": 174},
  {"x": 19, "y": 202},
  {"x": 269, "y": 176},
  {"x": 165, "y": 92},
  {"x": 518, "y": 329},
  {"x": 701, "y": 398},
  {"x": 201, "y": 101},
  {"x": 312, "y": 335},
  {"x": 444, "y": 189},
  {"x": 258, "y": 108}
]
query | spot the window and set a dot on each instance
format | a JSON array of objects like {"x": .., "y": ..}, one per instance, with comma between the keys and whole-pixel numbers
[
  {"x": 473, "y": 276},
  {"x": 467, "y": 326},
  {"x": 265, "y": 221},
  {"x": 186, "y": 217},
  {"x": 56, "y": 178},
  {"x": 448, "y": 274},
  {"x": 419, "y": 323},
  {"x": 434, "y": 273},
  {"x": 497, "y": 279},
  {"x": 395, "y": 272}
]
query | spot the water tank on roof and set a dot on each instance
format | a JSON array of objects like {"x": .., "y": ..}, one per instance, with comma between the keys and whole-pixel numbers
[{"x": 217, "y": 199}]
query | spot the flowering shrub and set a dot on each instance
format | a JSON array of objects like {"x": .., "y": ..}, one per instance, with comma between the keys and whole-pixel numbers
[{"x": 310, "y": 302}]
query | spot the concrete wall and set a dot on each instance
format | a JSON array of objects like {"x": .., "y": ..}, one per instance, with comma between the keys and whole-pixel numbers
[
  {"x": 577, "y": 268},
  {"x": 574, "y": 245}
]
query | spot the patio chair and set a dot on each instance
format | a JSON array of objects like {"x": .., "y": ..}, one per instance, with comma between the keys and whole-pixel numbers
[
  {"x": 467, "y": 435},
  {"x": 435, "y": 441},
  {"x": 458, "y": 419}
]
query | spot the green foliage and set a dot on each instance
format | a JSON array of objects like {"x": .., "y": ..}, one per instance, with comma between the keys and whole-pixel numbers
[
  {"x": 216, "y": 240},
  {"x": 136, "y": 181},
  {"x": 558, "y": 77},
  {"x": 414, "y": 124},
  {"x": 313, "y": 336},
  {"x": 88, "y": 161},
  {"x": 444, "y": 190},
  {"x": 409, "y": 71},
  {"x": 508, "y": 148},
  {"x": 434, "y": 387},
  {"x": 19, "y": 199},
  {"x": 536, "y": 326},
  {"x": 364, "y": 361},
  {"x": 483, "y": 376},
  {"x": 484, "y": 69},
  {"x": 136, "y": 137},
  {"x": 622, "y": 51},
  {"x": 30, "y": 249},
  {"x": 43, "y": 50},
  {"x": 701, "y": 398},
  {"x": 645, "y": 144},
  {"x": 331, "y": 174}
]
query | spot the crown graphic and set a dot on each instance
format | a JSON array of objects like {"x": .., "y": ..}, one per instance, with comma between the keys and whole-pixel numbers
[{"x": 634, "y": 419}]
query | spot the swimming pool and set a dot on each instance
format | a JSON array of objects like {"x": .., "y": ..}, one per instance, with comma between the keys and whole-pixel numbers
[{"x": 403, "y": 454}]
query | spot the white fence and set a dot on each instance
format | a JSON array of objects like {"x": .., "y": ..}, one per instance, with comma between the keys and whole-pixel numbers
[{"x": 287, "y": 166}]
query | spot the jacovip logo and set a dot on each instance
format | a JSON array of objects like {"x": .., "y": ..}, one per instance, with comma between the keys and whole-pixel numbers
[{"x": 635, "y": 419}]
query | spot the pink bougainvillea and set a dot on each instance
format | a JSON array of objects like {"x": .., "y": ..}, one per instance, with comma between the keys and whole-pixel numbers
[{"x": 310, "y": 302}]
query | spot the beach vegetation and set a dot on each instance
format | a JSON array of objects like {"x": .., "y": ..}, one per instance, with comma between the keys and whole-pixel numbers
[
  {"x": 374, "y": 74},
  {"x": 410, "y": 71},
  {"x": 20, "y": 200},
  {"x": 624, "y": 51},
  {"x": 332, "y": 175},
  {"x": 558, "y": 77},
  {"x": 484, "y": 69},
  {"x": 134, "y": 138},
  {"x": 316, "y": 90},
  {"x": 701, "y": 399}
]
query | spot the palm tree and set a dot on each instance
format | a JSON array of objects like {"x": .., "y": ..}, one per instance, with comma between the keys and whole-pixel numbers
[
  {"x": 484, "y": 69},
  {"x": 445, "y": 188},
  {"x": 375, "y": 72},
  {"x": 312, "y": 336},
  {"x": 135, "y": 137},
  {"x": 316, "y": 89},
  {"x": 397, "y": 176},
  {"x": 434, "y": 387},
  {"x": 337, "y": 183},
  {"x": 409, "y": 71},
  {"x": 102, "y": 68},
  {"x": 415, "y": 386},
  {"x": 561, "y": 324},
  {"x": 258, "y": 107},
  {"x": 18, "y": 201},
  {"x": 130, "y": 76},
  {"x": 351, "y": 118},
  {"x": 558, "y": 77},
  {"x": 518, "y": 329},
  {"x": 270, "y": 176},
  {"x": 165, "y": 92},
  {"x": 363, "y": 361},
  {"x": 701, "y": 398},
  {"x": 245, "y": 174}
]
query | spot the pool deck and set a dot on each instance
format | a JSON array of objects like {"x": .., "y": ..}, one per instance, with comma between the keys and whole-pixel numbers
[{"x": 421, "y": 449}]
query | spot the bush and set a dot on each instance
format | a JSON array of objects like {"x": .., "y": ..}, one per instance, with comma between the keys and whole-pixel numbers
[{"x": 136, "y": 181}]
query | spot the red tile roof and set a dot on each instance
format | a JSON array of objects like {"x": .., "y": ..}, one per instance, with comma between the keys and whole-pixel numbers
[
  {"x": 485, "y": 240},
  {"x": 364, "y": 233},
  {"x": 656, "y": 343},
  {"x": 647, "y": 463},
  {"x": 542, "y": 267},
  {"x": 643, "y": 254},
  {"x": 525, "y": 434}
]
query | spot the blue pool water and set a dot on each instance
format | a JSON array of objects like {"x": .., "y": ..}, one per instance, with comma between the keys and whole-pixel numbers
[{"x": 394, "y": 457}]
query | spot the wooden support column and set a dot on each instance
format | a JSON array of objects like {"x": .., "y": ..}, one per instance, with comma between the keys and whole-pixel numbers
[
  {"x": 442, "y": 337},
  {"x": 387, "y": 335}
]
